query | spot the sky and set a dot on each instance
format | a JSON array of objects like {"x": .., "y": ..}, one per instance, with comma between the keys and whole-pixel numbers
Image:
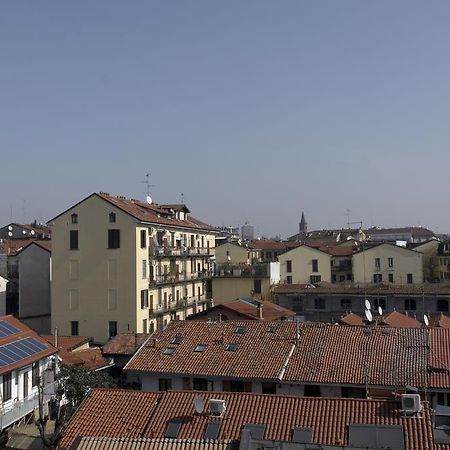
[{"x": 254, "y": 110}]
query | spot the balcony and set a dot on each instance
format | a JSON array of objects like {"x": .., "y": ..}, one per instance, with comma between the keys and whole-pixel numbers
[
  {"x": 242, "y": 270},
  {"x": 178, "y": 305},
  {"x": 21, "y": 408},
  {"x": 164, "y": 251},
  {"x": 179, "y": 277},
  {"x": 343, "y": 266}
]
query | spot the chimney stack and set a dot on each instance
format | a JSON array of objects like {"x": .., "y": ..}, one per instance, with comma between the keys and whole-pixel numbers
[{"x": 260, "y": 311}]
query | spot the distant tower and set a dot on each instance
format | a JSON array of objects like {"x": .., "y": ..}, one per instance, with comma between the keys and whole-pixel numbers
[{"x": 302, "y": 227}]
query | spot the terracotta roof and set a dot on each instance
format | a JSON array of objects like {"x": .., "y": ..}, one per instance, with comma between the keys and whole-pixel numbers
[
  {"x": 272, "y": 245},
  {"x": 23, "y": 333},
  {"x": 145, "y": 212},
  {"x": 414, "y": 231},
  {"x": 319, "y": 353},
  {"x": 353, "y": 320},
  {"x": 93, "y": 359},
  {"x": 248, "y": 309},
  {"x": 338, "y": 250},
  {"x": 128, "y": 414},
  {"x": 13, "y": 246},
  {"x": 439, "y": 359},
  {"x": 100, "y": 443},
  {"x": 361, "y": 290},
  {"x": 440, "y": 320},
  {"x": 67, "y": 342},
  {"x": 111, "y": 413},
  {"x": 397, "y": 319},
  {"x": 125, "y": 343}
]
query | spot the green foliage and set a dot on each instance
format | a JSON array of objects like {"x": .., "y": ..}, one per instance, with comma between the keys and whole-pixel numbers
[{"x": 74, "y": 382}]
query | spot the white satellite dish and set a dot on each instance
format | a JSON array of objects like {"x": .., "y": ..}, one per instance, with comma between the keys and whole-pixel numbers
[
  {"x": 33, "y": 232},
  {"x": 199, "y": 405},
  {"x": 368, "y": 315},
  {"x": 229, "y": 258},
  {"x": 368, "y": 305},
  {"x": 9, "y": 233},
  {"x": 24, "y": 232},
  {"x": 380, "y": 310},
  {"x": 426, "y": 320},
  {"x": 10, "y": 228},
  {"x": 149, "y": 200}
]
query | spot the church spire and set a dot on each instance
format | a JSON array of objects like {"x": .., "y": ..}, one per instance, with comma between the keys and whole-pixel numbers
[{"x": 303, "y": 226}]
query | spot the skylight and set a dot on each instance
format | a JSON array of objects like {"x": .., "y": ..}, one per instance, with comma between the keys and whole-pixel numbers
[
  {"x": 177, "y": 339},
  {"x": 168, "y": 351},
  {"x": 231, "y": 347},
  {"x": 200, "y": 348},
  {"x": 240, "y": 330}
]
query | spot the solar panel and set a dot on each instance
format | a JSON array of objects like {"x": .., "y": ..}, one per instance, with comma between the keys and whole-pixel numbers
[
  {"x": 376, "y": 436},
  {"x": 173, "y": 428},
  {"x": 17, "y": 351},
  {"x": 212, "y": 429},
  {"x": 6, "y": 329}
]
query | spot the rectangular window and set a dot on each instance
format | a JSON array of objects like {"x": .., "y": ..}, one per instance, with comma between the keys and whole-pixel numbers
[
  {"x": 74, "y": 218},
  {"x": 346, "y": 304},
  {"x": 236, "y": 386},
  {"x": 312, "y": 390},
  {"x": 269, "y": 388},
  {"x": 144, "y": 326},
  {"x": 390, "y": 263},
  {"x": 112, "y": 217},
  {"x": 200, "y": 384},
  {"x": 377, "y": 263},
  {"x": 319, "y": 303},
  {"x": 391, "y": 277},
  {"x": 143, "y": 238},
  {"x": 409, "y": 278},
  {"x": 113, "y": 238},
  {"x": 315, "y": 265},
  {"x": 314, "y": 279},
  {"x": 7, "y": 386},
  {"x": 164, "y": 384},
  {"x": 410, "y": 304},
  {"x": 289, "y": 279},
  {"x": 377, "y": 278},
  {"x": 379, "y": 303},
  {"x": 144, "y": 269},
  {"x": 35, "y": 374},
  {"x": 144, "y": 298},
  {"x": 442, "y": 305},
  {"x": 289, "y": 266},
  {"x": 74, "y": 328},
  {"x": 73, "y": 241},
  {"x": 112, "y": 329},
  {"x": 257, "y": 286}
]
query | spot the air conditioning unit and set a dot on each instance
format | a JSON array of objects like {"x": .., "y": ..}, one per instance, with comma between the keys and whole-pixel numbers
[
  {"x": 411, "y": 403},
  {"x": 216, "y": 407}
]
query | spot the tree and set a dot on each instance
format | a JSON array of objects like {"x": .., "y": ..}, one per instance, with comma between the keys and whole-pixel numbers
[{"x": 72, "y": 385}]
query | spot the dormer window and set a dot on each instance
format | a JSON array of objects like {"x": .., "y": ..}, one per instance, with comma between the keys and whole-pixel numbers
[
  {"x": 74, "y": 218},
  {"x": 112, "y": 217}
]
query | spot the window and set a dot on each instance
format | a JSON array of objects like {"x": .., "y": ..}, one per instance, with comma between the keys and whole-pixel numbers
[
  {"x": 289, "y": 266},
  {"x": 143, "y": 238},
  {"x": 6, "y": 386},
  {"x": 390, "y": 263},
  {"x": 410, "y": 304},
  {"x": 74, "y": 218},
  {"x": 377, "y": 278},
  {"x": 144, "y": 326},
  {"x": 236, "y": 386},
  {"x": 391, "y": 277},
  {"x": 113, "y": 238},
  {"x": 315, "y": 265},
  {"x": 314, "y": 279},
  {"x": 112, "y": 217},
  {"x": 200, "y": 384},
  {"x": 312, "y": 390},
  {"x": 74, "y": 328},
  {"x": 231, "y": 347},
  {"x": 377, "y": 264},
  {"x": 257, "y": 286},
  {"x": 346, "y": 304},
  {"x": 35, "y": 374},
  {"x": 319, "y": 303},
  {"x": 164, "y": 384},
  {"x": 409, "y": 278},
  {"x": 177, "y": 339},
  {"x": 289, "y": 279},
  {"x": 379, "y": 303},
  {"x": 442, "y": 305},
  {"x": 73, "y": 242},
  {"x": 144, "y": 269},
  {"x": 168, "y": 351},
  {"x": 112, "y": 329},
  {"x": 240, "y": 330},
  {"x": 200, "y": 348},
  {"x": 144, "y": 298},
  {"x": 269, "y": 388}
]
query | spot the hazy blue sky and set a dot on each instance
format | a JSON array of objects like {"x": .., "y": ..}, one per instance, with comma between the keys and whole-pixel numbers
[{"x": 254, "y": 110}]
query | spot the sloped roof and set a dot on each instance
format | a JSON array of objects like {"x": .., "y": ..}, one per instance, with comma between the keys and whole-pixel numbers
[
  {"x": 125, "y": 343},
  {"x": 397, "y": 319},
  {"x": 67, "y": 342},
  {"x": 135, "y": 414},
  {"x": 440, "y": 320},
  {"x": 352, "y": 319},
  {"x": 18, "y": 332},
  {"x": 439, "y": 359}
]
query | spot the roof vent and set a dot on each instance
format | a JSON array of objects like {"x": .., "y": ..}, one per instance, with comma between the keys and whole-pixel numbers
[
  {"x": 216, "y": 407},
  {"x": 411, "y": 405}
]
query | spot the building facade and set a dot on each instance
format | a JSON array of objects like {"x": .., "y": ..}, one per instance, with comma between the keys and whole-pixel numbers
[{"x": 122, "y": 265}]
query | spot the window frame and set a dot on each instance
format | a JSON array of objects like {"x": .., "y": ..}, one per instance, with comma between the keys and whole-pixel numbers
[{"x": 113, "y": 238}]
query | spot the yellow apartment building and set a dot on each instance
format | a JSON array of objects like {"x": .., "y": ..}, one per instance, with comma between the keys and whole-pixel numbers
[{"x": 122, "y": 265}]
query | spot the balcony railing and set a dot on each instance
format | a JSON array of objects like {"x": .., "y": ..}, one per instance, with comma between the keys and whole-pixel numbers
[
  {"x": 167, "y": 250},
  {"x": 20, "y": 408},
  {"x": 178, "y": 305},
  {"x": 242, "y": 270},
  {"x": 180, "y": 277},
  {"x": 342, "y": 266}
]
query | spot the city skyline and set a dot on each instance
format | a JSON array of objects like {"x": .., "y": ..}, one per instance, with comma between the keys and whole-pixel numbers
[{"x": 254, "y": 111}]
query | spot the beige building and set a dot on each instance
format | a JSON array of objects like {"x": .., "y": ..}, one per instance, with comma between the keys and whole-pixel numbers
[
  {"x": 303, "y": 265},
  {"x": 122, "y": 265},
  {"x": 388, "y": 264},
  {"x": 232, "y": 254}
]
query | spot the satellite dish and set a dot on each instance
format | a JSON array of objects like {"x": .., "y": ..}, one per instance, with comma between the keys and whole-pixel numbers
[
  {"x": 367, "y": 303},
  {"x": 33, "y": 232},
  {"x": 368, "y": 315},
  {"x": 149, "y": 200},
  {"x": 426, "y": 320},
  {"x": 380, "y": 310},
  {"x": 9, "y": 233},
  {"x": 24, "y": 232},
  {"x": 199, "y": 405},
  {"x": 229, "y": 258},
  {"x": 10, "y": 228}
]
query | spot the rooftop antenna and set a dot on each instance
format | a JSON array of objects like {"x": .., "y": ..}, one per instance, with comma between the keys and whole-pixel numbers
[
  {"x": 348, "y": 218},
  {"x": 147, "y": 182},
  {"x": 182, "y": 197}
]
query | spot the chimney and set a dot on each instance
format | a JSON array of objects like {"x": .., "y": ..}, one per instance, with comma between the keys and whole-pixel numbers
[{"x": 260, "y": 311}]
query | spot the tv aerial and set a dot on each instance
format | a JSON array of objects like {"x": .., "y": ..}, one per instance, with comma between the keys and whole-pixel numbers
[{"x": 199, "y": 405}]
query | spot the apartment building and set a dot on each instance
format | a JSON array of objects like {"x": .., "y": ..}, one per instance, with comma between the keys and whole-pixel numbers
[{"x": 124, "y": 265}]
